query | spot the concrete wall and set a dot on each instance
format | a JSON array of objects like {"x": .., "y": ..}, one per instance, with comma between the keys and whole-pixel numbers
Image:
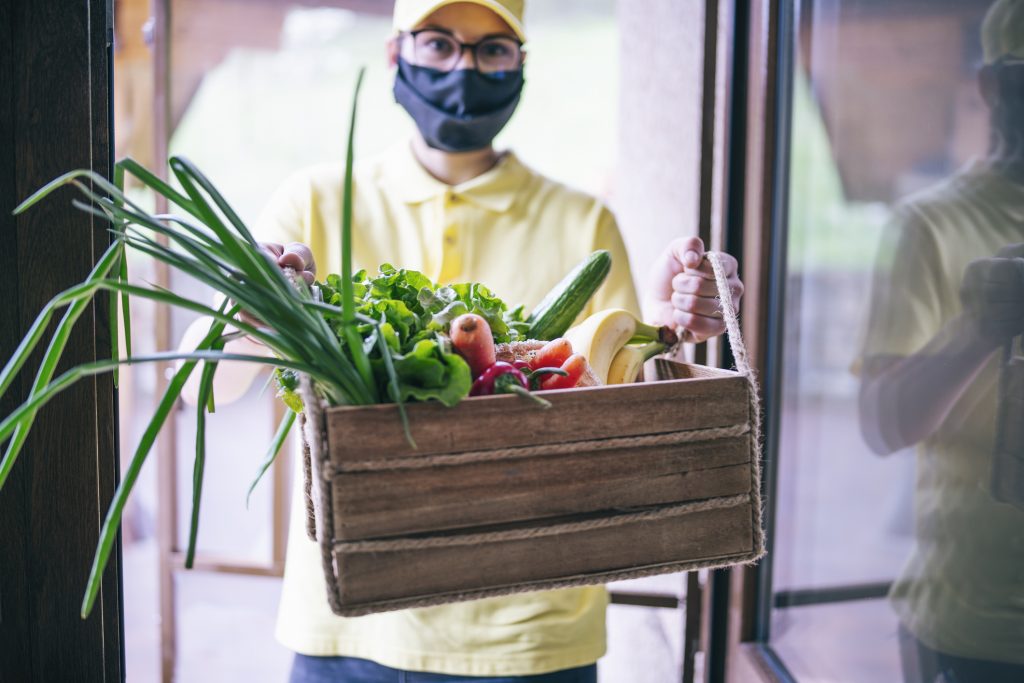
[{"x": 655, "y": 195}]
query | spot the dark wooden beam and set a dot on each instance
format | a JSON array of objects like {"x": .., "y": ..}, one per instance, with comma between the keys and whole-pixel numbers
[{"x": 54, "y": 116}]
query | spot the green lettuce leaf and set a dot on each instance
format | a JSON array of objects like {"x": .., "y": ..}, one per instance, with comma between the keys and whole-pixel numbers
[{"x": 428, "y": 372}]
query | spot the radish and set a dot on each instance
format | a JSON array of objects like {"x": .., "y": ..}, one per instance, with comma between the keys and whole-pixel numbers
[{"x": 472, "y": 339}]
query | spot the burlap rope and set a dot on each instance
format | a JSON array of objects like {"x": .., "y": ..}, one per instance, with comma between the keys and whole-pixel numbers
[
  {"x": 739, "y": 353},
  {"x": 316, "y": 439},
  {"x": 307, "y": 480}
]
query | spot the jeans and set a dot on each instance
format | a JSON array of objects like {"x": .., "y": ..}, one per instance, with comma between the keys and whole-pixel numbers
[
  {"x": 921, "y": 664},
  {"x": 308, "y": 669}
]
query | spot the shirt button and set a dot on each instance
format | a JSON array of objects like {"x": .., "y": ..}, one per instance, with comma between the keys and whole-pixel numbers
[{"x": 449, "y": 240}]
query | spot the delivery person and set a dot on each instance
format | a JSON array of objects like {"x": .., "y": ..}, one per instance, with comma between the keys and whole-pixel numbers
[{"x": 453, "y": 207}]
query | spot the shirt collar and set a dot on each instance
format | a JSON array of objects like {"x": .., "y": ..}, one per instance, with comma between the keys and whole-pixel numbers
[
  {"x": 495, "y": 190},
  {"x": 999, "y": 190}
]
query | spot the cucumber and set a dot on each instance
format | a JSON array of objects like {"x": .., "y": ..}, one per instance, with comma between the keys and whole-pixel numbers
[{"x": 557, "y": 311}]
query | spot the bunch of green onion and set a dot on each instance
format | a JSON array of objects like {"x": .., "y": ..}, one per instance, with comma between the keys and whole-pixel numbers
[{"x": 211, "y": 244}]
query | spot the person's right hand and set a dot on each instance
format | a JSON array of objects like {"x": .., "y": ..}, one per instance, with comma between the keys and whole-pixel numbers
[
  {"x": 294, "y": 255},
  {"x": 992, "y": 292}
]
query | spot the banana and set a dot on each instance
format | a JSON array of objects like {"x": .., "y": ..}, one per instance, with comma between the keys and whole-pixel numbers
[
  {"x": 627, "y": 363},
  {"x": 603, "y": 334}
]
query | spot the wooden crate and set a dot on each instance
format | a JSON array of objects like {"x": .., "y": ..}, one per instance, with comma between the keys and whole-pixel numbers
[{"x": 500, "y": 496}]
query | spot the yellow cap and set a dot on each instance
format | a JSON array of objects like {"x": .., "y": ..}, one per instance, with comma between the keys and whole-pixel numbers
[
  {"x": 409, "y": 13},
  {"x": 1002, "y": 31}
]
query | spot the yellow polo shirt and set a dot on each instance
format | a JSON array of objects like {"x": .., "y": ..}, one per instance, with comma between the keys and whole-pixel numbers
[
  {"x": 518, "y": 233},
  {"x": 962, "y": 589}
]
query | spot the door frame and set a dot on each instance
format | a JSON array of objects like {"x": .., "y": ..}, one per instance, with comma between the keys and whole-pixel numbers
[
  {"x": 756, "y": 213},
  {"x": 56, "y": 115}
]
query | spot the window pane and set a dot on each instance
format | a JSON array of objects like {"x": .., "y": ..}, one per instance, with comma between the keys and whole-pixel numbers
[{"x": 901, "y": 174}]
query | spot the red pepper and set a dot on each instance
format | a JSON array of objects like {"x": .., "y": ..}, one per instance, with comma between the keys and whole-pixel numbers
[
  {"x": 504, "y": 378},
  {"x": 485, "y": 383}
]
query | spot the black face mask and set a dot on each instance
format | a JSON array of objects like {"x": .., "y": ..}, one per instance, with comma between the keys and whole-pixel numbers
[{"x": 457, "y": 111}]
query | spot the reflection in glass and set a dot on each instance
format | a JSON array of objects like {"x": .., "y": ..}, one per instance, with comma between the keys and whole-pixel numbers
[
  {"x": 950, "y": 293},
  {"x": 914, "y": 111}
]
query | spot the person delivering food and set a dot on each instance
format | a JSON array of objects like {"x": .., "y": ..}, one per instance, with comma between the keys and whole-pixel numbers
[{"x": 451, "y": 206}]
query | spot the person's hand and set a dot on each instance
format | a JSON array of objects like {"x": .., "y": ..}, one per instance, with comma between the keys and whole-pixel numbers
[
  {"x": 294, "y": 255},
  {"x": 992, "y": 293},
  {"x": 683, "y": 292}
]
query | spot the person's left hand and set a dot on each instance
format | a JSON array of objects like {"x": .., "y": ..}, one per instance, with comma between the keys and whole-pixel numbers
[{"x": 683, "y": 292}]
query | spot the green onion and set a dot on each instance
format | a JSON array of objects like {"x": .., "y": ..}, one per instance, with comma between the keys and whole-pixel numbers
[
  {"x": 275, "y": 446},
  {"x": 210, "y": 243},
  {"x": 352, "y": 338}
]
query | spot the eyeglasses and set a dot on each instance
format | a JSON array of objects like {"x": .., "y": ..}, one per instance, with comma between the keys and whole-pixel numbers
[{"x": 437, "y": 49}]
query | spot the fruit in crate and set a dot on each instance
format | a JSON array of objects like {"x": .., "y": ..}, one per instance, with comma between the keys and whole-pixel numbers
[
  {"x": 630, "y": 359},
  {"x": 601, "y": 336}
]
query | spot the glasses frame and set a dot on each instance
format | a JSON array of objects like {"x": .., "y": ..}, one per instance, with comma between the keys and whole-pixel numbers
[{"x": 474, "y": 47}]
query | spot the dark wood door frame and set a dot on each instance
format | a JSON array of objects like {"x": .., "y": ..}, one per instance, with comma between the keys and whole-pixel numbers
[
  {"x": 757, "y": 214},
  {"x": 55, "y": 115}
]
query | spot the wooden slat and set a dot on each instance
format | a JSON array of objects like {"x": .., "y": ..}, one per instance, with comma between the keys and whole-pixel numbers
[
  {"x": 488, "y": 422},
  {"x": 281, "y": 501},
  {"x": 167, "y": 441},
  {"x": 668, "y": 369},
  {"x": 402, "y": 502},
  {"x": 656, "y": 600},
  {"x": 708, "y": 534},
  {"x": 222, "y": 565}
]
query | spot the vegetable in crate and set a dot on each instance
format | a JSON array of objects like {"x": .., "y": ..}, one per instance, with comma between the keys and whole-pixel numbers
[
  {"x": 505, "y": 378},
  {"x": 383, "y": 344},
  {"x": 471, "y": 337},
  {"x": 552, "y": 354},
  {"x": 573, "y": 369},
  {"x": 563, "y": 304},
  {"x": 368, "y": 339}
]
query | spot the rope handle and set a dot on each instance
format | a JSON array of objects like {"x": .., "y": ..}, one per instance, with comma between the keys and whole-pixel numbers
[
  {"x": 729, "y": 313},
  {"x": 311, "y": 439}
]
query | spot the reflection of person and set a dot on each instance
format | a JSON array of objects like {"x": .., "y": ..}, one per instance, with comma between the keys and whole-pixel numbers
[
  {"x": 950, "y": 293},
  {"x": 453, "y": 207}
]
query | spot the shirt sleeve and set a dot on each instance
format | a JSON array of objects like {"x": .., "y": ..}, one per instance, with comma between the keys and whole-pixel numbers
[
  {"x": 284, "y": 218},
  {"x": 618, "y": 290},
  {"x": 906, "y": 295}
]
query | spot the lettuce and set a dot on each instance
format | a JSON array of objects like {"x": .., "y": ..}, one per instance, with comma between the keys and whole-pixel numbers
[
  {"x": 429, "y": 372},
  {"x": 413, "y": 312}
]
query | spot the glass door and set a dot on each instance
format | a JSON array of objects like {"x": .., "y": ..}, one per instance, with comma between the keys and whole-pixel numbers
[{"x": 897, "y": 534}]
